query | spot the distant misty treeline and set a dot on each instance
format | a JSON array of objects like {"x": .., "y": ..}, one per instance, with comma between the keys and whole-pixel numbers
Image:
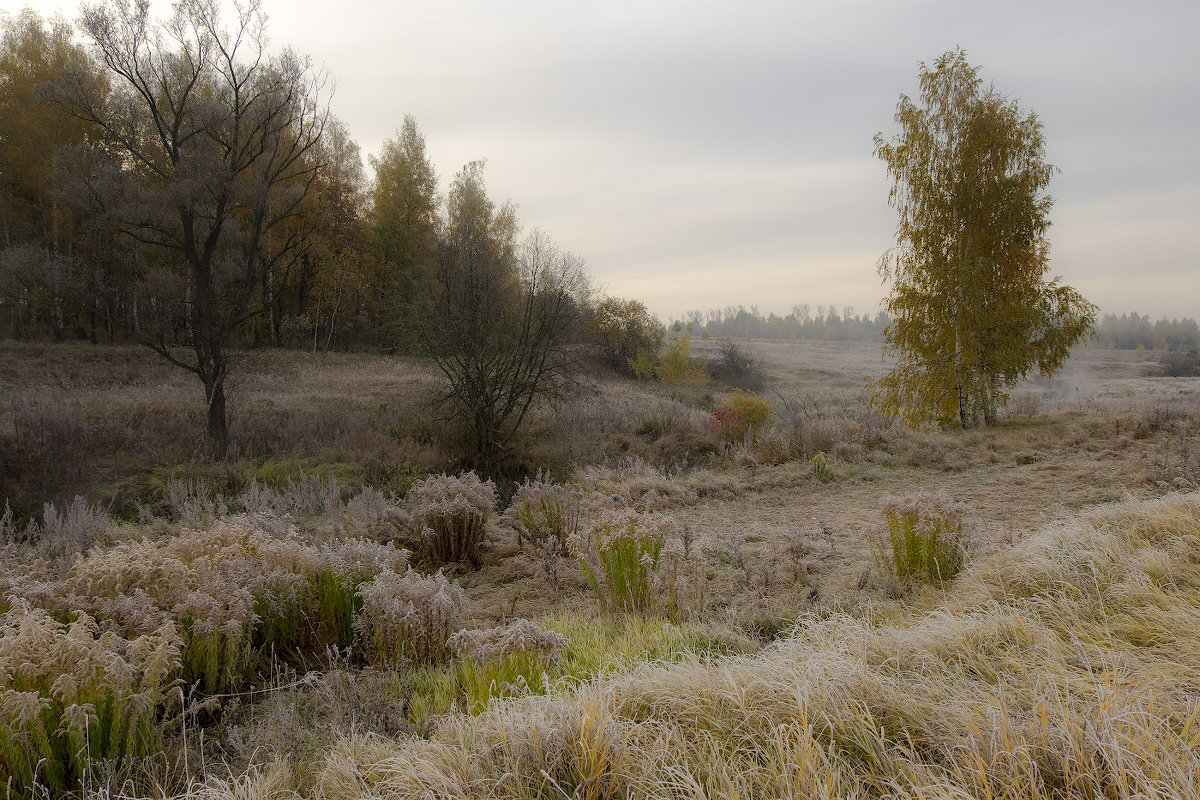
[
  {"x": 824, "y": 323},
  {"x": 828, "y": 323},
  {"x": 1133, "y": 330}
]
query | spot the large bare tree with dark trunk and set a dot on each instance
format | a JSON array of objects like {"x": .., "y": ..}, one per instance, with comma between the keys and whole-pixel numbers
[{"x": 211, "y": 145}]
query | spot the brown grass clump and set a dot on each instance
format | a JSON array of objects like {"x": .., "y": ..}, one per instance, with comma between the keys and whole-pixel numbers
[
  {"x": 1066, "y": 670},
  {"x": 504, "y": 641},
  {"x": 924, "y": 537},
  {"x": 408, "y": 619},
  {"x": 641, "y": 485},
  {"x": 452, "y": 512},
  {"x": 504, "y": 661},
  {"x": 639, "y": 562}
]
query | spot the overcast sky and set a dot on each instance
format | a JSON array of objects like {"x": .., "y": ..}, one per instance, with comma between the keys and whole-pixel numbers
[{"x": 703, "y": 154}]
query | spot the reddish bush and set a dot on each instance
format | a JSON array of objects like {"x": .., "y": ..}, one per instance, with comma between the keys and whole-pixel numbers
[{"x": 728, "y": 424}]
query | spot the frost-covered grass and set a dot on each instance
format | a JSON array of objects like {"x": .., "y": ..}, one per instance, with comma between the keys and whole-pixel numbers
[
  {"x": 1065, "y": 668},
  {"x": 746, "y": 644}
]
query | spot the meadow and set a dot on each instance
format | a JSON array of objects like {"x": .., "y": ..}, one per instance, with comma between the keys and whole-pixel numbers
[{"x": 657, "y": 609}]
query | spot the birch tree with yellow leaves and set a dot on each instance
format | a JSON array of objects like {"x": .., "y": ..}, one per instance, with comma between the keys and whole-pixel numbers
[{"x": 973, "y": 311}]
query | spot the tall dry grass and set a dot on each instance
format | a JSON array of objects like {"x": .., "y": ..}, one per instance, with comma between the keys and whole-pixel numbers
[
  {"x": 245, "y": 590},
  {"x": 116, "y": 423},
  {"x": 73, "y": 698},
  {"x": 1065, "y": 668}
]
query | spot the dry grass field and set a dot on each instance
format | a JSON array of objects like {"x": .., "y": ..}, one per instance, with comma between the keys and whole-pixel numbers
[{"x": 252, "y": 631}]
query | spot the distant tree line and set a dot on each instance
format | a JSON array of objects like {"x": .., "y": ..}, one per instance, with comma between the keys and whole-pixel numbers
[
  {"x": 824, "y": 323},
  {"x": 1131, "y": 331}
]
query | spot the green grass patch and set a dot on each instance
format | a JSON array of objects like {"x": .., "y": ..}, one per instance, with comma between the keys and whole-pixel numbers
[{"x": 596, "y": 645}]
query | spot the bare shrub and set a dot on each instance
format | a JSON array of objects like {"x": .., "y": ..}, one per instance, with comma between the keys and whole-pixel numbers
[
  {"x": 61, "y": 534},
  {"x": 307, "y": 496},
  {"x": 190, "y": 503},
  {"x": 408, "y": 619},
  {"x": 73, "y": 530},
  {"x": 1176, "y": 465},
  {"x": 452, "y": 512},
  {"x": 499, "y": 318},
  {"x": 737, "y": 366},
  {"x": 8, "y": 529},
  {"x": 1181, "y": 363}
]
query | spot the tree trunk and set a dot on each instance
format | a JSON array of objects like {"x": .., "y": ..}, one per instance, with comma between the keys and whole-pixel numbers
[
  {"x": 332, "y": 321},
  {"x": 216, "y": 427},
  {"x": 990, "y": 416},
  {"x": 964, "y": 414}
]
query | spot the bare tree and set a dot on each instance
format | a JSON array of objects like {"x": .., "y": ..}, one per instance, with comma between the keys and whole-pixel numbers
[
  {"x": 211, "y": 148},
  {"x": 498, "y": 318}
]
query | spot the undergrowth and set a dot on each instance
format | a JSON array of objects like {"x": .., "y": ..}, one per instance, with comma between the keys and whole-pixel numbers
[
  {"x": 565, "y": 649},
  {"x": 247, "y": 589}
]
